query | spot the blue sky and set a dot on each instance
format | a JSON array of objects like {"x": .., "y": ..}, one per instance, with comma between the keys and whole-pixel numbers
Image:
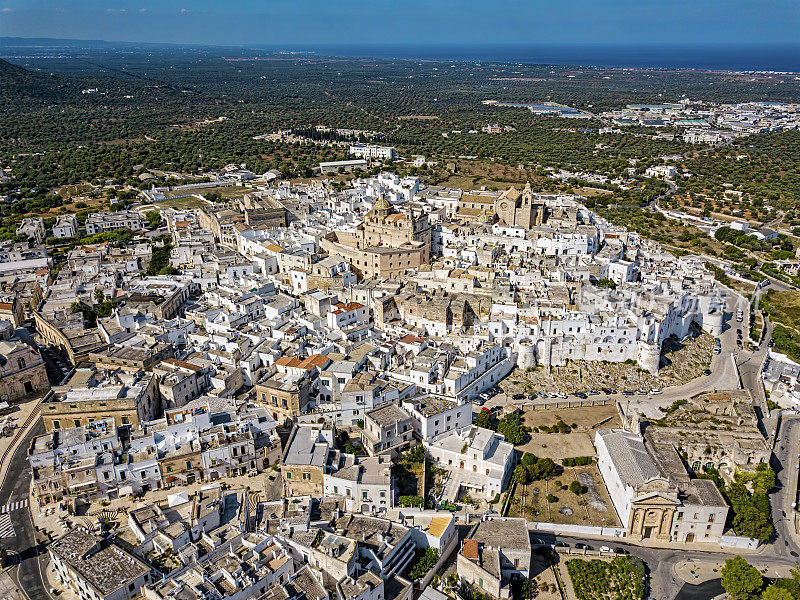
[{"x": 308, "y": 22}]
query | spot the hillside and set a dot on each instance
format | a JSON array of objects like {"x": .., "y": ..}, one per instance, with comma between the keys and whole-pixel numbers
[{"x": 19, "y": 86}]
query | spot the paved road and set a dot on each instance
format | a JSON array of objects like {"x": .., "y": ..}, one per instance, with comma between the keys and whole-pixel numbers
[
  {"x": 15, "y": 489},
  {"x": 653, "y": 204},
  {"x": 664, "y": 583},
  {"x": 787, "y": 448}
]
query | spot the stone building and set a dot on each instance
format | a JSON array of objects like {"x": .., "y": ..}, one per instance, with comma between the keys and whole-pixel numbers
[
  {"x": 90, "y": 395},
  {"x": 653, "y": 494},
  {"x": 22, "y": 371},
  {"x": 306, "y": 459},
  {"x": 716, "y": 430},
  {"x": 520, "y": 209},
  {"x": 385, "y": 244},
  {"x": 497, "y": 551},
  {"x": 285, "y": 395}
]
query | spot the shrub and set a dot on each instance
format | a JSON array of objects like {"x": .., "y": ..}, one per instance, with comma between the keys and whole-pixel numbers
[
  {"x": 424, "y": 562},
  {"x": 410, "y": 501},
  {"x": 576, "y": 488}
]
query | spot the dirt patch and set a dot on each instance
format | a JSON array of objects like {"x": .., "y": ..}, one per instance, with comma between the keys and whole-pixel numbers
[
  {"x": 589, "y": 192},
  {"x": 593, "y": 496},
  {"x": 227, "y": 192},
  {"x": 680, "y": 363},
  {"x": 586, "y": 416},
  {"x": 567, "y": 445},
  {"x": 594, "y": 509}
]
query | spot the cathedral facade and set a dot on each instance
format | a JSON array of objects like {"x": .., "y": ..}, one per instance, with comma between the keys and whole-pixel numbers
[{"x": 520, "y": 209}]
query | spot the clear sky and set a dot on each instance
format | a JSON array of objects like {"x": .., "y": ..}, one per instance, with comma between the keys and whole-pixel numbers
[{"x": 308, "y": 22}]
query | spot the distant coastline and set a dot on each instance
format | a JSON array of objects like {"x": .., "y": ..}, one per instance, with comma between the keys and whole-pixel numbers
[
  {"x": 733, "y": 57},
  {"x": 713, "y": 57}
]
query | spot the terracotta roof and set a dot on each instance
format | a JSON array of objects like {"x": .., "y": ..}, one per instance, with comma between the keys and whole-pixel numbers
[
  {"x": 438, "y": 525},
  {"x": 315, "y": 360},
  {"x": 470, "y": 549}
]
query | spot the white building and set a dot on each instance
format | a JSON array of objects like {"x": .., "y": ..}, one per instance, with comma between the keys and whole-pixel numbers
[
  {"x": 113, "y": 221},
  {"x": 33, "y": 228},
  {"x": 365, "y": 486},
  {"x": 478, "y": 459},
  {"x": 66, "y": 226},
  {"x": 95, "y": 569},
  {"x": 370, "y": 152},
  {"x": 434, "y": 415}
]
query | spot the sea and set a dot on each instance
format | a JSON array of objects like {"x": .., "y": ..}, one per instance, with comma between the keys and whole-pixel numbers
[{"x": 727, "y": 57}]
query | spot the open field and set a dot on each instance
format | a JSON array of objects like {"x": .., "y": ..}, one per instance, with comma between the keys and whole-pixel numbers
[
  {"x": 231, "y": 191},
  {"x": 568, "y": 445},
  {"x": 782, "y": 307},
  {"x": 590, "y": 192},
  {"x": 187, "y": 202},
  {"x": 592, "y": 507}
]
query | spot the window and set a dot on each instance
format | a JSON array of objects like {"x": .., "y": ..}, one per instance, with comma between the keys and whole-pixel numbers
[
  {"x": 680, "y": 515},
  {"x": 288, "y": 475},
  {"x": 21, "y": 363},
  {"x": 711, "y": 518},
  {"x": 364, "y": 495},
  {"x": 306, "y": 476},
  {"x": 383, "y": 494},
  {"x": 77, "y": 422},
  {"x": 126, "y": 421}
]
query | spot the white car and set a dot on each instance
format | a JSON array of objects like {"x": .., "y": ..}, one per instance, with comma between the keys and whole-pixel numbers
[
  {"x": 605, "y": 549},
  {"x": 655, "y": 391}
]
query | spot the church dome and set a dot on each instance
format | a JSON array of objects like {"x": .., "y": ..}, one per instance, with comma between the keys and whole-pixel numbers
[{"x": 381, "y": 204}]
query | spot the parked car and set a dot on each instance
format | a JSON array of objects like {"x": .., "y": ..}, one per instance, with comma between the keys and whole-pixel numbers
[
  {"x": 771, "y": 343},
  {"x": 655, "y": 391},
  {"x": 593, "y": 393},
  {"x": 641, "y": 392},
  {"x": 518, "y": 397},
  {"x": 582, "y": 546},
  {"x": 620, "y": 551},
  {"x": 627, "y": 393},
  {"x": 605, "y": 549},
  {"x": 707, "y": 372},
  {"x": 580, "y": 395}
]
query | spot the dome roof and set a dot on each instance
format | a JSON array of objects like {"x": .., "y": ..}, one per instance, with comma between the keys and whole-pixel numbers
[{"x": 381, "y": 204}]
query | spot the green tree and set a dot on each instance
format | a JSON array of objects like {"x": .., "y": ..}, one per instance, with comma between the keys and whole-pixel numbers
[
  {"x": 512, "y": 428},
  {"x": 153, "y": 218},
  {"x": 575, "y": 487},
  {"x": 484, "y": 419},
  {"x": 776, "y": 593},
  {"x": 741, "y": 580},
  {"x": 521, "y": 475}
]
